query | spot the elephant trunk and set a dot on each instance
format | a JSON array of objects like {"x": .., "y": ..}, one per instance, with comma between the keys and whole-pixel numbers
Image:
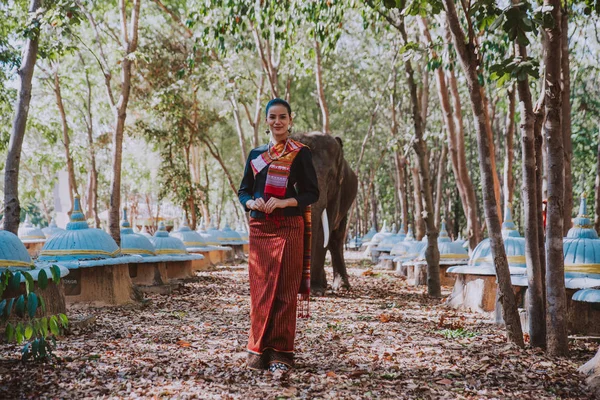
[{"x": 325, "y": 225}]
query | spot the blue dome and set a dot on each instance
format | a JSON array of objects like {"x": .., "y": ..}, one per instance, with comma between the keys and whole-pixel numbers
[
  {"x": 13, "y": 252},
  {"x": 29, "y": 232},
  {"x": 369, "y": 235},
  {"x": 52, "y": 229},
  {"x": 400, "y": 248},
  {"x": 79, "y": 241},
  {"x": 134, "y": 243},
  {"x": 582, "y": 225},
  {"x": 514, "y": 245},
  {"x": 413, "y": 249},
  {"x": 383, "y": 233},
  {"x": 215, "y": 232},
  {"x": 189, "y": 237},
  {"x": 209, "y": 238},
  {"x": 388, "y": 242},
  {"x": 241, "y": 230},
  {"x": 165, "y": 244},
  {"x": 581, "y": 247},
  {"x": 509, "y": 229},
  {"x": 449, "y": 250},
  {"x": 231, "y": 237}
]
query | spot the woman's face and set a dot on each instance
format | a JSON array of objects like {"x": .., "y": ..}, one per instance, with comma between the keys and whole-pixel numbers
[{"x": 279, "y": 120}]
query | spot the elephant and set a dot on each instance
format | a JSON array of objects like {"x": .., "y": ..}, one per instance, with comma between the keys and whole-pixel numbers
[{"x": 338, "y": 186}]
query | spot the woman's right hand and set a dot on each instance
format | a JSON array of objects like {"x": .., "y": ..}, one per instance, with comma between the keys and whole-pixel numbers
[{"x": 258, "y": 204}]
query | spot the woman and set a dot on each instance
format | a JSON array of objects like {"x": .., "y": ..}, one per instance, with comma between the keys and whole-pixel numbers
[{"x": 278, "y": 186}]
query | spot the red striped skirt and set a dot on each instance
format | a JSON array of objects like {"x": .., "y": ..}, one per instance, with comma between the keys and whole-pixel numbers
[{"x": 275, "y": 272}]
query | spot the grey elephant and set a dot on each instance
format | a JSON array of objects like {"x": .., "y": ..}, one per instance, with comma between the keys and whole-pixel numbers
[{"x": 338, "y": 186}]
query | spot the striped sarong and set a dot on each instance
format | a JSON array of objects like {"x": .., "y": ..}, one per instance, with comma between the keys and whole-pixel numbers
[{"x": 275, "y": 271}]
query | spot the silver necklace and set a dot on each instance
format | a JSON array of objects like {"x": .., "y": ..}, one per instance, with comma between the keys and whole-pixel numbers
[{"x": 282, "y": 152}]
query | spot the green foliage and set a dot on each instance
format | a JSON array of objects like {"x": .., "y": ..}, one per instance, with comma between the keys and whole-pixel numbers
[
  {"x": 37, "y": 334},
  {"x": 515, "y": 68},
  {"x": 457, "y": 333}
]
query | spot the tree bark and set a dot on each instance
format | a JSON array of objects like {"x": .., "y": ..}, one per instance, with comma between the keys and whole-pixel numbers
[
  {"x": 473, "y": 227},
  {"x": 93, "y": 178},
  {"x": 441, "y": 175},
  {"x": 320, "y": 89},
  {"x": 129, "y": 43},
  {"x": 566, "y": 120},
  {"x": 12, "y": 208},
  {"x": 535, "y": 291},
  {"x": 432, "y": 253},
  {"x": 539, "y": 164},
  {"x": 597, "y": 208},
  {"x": 417, "y": 203},
  {"x": 400, "y": 164},
  {"x": 509, "y": 134},
  {"x": 555, "y": 274},
  {"x": 470, "y": 65},
  {"x": 66, "y": 139},
  {"x": 238, "y": 126}
]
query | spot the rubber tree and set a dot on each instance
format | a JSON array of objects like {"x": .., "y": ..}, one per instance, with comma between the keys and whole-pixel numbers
[
  {"x": 466, "y": 48},
  {"x": 12, "y": 208}
]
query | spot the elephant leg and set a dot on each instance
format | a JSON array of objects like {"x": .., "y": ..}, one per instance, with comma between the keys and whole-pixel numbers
[
  {"x": 336, "y": 248},
  {"x": 318, "y": 279}
]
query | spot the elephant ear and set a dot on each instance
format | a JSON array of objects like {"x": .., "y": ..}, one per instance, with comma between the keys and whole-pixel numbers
[{"x": 339, "y": 140}]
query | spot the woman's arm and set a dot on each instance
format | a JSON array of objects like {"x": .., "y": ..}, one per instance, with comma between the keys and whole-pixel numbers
[{"x": 246, "y": 190}]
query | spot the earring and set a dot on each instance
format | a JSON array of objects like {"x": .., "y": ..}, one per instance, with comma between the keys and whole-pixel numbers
[
  {"x": 268, "y": 132},
  {"x": 290, "y": 129}
]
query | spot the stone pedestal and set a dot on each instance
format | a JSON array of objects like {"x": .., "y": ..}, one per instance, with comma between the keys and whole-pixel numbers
[
  {"x": 179, "y": 269},
  {"x": 100, "y": 285},
  {"x": 474, "y": 292},
  {"x": 148, "y": 274}
]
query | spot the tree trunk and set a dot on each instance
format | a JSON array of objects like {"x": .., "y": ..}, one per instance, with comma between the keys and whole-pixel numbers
[
  {"x": 400, "y": 165},
  {"x": 597, "y": 208},
  {"x": 555, "y": 274},
  {"x": 439, "y": 185},
  {"x": 418, "y": 204},
  {"x": 509, "y": 134},
  {"x": 238, "y": 126},
  {"x": 432, "y": 253},
  {"x": 473, "y": 228},
  {"x": 129, "y": 47},
  {"x": 66, "y": 139},
  {"x": 12, "y": 208},
  {"x": 566, "y": 120},
  {"x": 539, "y": 165},
  {"x": 320, "y": 89},
  {"x": 469, "y": 62},
  {"x": 93, "y": 178},
  {"x": 535, "y": 291}
]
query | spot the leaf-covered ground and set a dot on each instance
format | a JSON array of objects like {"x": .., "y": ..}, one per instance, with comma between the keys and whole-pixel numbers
[{"x": 383, "y": 339}]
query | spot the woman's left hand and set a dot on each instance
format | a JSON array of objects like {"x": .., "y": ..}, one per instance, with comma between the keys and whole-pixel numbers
[{"x": 274, "y": 203}]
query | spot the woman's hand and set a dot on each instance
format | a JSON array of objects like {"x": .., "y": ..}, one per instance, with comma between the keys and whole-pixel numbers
[
  {"x": 274, "y": 203},
  {"x": 258, "y": 204}
]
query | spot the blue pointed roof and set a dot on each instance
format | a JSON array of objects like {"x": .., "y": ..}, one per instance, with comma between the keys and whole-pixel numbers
[
  {"x": 189, "y": 237},
  {"x": 509, "y": 229},
  {"x": 583, "y": 228},
  {"x": 231, "y": 237},
  {"x": 165, "y": 244},
  {"x": 581, "y": 247},
  {"x": 388, "y": 242},
  {"x": 79, "y": 241},
  {"x": 52, "y": 229},
  {"x": 28, "y": 232},
  {"x": 369, "y": 235},
  {"x": 13, "y": 252},
  {"x": 134, "y": 243},
  {"x": 514, "y": 246},
  {"x": 449, "y": 250}
]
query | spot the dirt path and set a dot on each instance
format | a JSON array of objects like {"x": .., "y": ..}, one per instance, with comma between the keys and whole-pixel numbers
[{"x": 381, "y": 340}]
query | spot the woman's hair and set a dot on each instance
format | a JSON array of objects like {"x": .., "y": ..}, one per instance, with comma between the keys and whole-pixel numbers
[{"x": 278, "y": 101}]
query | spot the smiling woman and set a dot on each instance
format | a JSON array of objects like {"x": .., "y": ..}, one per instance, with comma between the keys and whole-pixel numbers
[{"x": 278, "y": 187}]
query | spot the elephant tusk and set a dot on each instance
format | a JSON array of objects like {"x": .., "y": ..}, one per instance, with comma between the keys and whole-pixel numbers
[{"x": 325, "y": 225}]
